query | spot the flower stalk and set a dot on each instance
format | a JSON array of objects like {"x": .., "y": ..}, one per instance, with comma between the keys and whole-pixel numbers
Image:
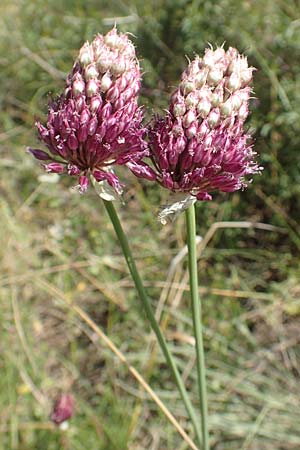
[
  {"x": 148, "y": 310},
  {"x": 197, "y": 322}
]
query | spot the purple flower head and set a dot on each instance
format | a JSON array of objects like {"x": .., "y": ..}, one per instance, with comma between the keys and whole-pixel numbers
[
  {"x": 200, "y": 145},
  {"x": 63, "y": 409},
  {"x": 96, "y": 122}
]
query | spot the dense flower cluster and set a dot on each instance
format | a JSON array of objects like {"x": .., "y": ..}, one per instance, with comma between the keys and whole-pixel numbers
[
  {"x": 96, "y": 123},
  {"x": 200, "y": 145}
]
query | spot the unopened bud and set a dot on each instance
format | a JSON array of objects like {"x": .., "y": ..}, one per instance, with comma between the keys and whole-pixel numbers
[
  {"x": 246, "y": 76},
  {"x": 105, "y": 61},
  {"x": 214, "y": 118},
  {"x": 112, "y": 40},
  {"x": 209, "y": 58},
  {"x": 106, "y": 83},
  {"x": 90, "y": 72},
  {"x": 214, "y": 77},
  {"x": 187, "y": 86},
  {"x": 243, "y": 112},
  {"x": 226, "y": 108},
  {"x": 216, "y": 98},
  {"x": 203, "y": 108},
  {"x": 188, "y": 119},
  {"x": 238, "y": 64},
  {"x": 233, "y": 82},
  {"x": 92, "y": 88},
  {"x": 96, "y": 102},
  {"x": 179, "y": 109},
  {"x": 200, "y": 78},
  {"x": 191, "y": 100},
  {"x": 191, "y": 132},
  {"x": 219, "y": 54},
  {"x": 78, "y": 87},
  {"x": 118, "y": 67},
  {"x": 236, "y": 101},
  {"x": 85, "y": 55}
]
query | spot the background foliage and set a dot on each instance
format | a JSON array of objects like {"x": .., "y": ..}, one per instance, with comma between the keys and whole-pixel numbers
[{"x": 58, "y": 245}]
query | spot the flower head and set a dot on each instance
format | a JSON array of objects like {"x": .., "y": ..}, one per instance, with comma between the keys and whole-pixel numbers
[
  {"x": 96, "y": 122},
  {"x": 63, "y": 409},
  {"x": 200, "y": 145}
]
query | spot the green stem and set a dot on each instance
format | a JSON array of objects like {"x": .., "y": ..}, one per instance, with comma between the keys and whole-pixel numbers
[
  {"x": 148, "y": 309},
  {"x": 196, "y": 311}
]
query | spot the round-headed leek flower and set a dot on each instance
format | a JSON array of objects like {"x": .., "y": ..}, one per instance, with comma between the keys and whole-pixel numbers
[
  {"x": 96, "y": 122},
  {"x": 200, "y": 145},
  {"x": 63, "y": 409}
]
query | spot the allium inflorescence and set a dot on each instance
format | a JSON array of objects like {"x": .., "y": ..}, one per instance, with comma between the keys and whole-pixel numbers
[
  {"x": 200, "y": 145},
  {"x": 96, "y": 122}
]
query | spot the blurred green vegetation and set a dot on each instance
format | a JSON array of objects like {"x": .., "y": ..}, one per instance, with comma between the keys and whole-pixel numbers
[{"x": 249, "y": 277}]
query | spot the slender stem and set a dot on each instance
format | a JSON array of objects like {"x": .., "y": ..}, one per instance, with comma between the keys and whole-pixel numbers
[
  {"x": 148, "y": 309},
  {"x": 196, "y": 311}
]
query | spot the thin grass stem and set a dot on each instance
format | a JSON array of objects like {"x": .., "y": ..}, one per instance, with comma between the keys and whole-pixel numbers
[
  {"x": 197, "y": 322},
  {"x": 150, "y": 315}
]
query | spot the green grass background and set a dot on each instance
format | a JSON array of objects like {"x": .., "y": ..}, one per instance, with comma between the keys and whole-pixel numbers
[{"x": 51, "y": 237}]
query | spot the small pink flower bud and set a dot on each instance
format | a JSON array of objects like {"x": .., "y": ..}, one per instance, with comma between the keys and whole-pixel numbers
[
  {"x": 191, "y": 132},
  {"x": 233, "y": 82},
  {"x": 105, "y": 61},
  {"x": 236, "y": 101},
  {"x": 188, "y": 119},
  {"x": 54, "y": 167},
  {"x": 92, "y": 88},
  {"x": 106, "y": 83},
  {"x": 96, "y": 102},
  {"x": 85, "y": 54},
  {"x": 214, "y": 76},
  {"x": 191, "y": 100},
  {"x": 227, "y": 108},
  {"x": 203, "y": 108},
  {"x": 179, "y": 109},
  {"x": 78, "y": 87},
  {"x": 112, "y": 40},
  {"x": 213, "y": 118},
  {"x": 246, "y": 76},
  {"x": 200, "y": 78},
  {"x": 91, "y": 72},
  {"x": 118, "y": 67}
]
